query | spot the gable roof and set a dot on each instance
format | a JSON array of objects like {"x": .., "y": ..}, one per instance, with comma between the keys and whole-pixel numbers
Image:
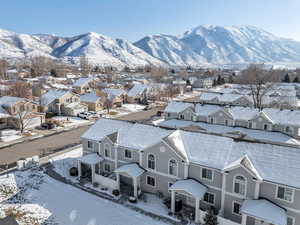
[
  {"x": 51, "y": 95},
  {"x": 177, "y": 107},
  {"x": 137, "y": 89},
  {"x": 90, "y": 97},
  {"x": 8, "y": 101},
  {"x": 82, "y": 81},
  {"x": 112, "y": 92}
]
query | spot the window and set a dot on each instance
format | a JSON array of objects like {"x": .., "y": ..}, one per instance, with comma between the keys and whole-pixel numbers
[
  {"x": 236, "y": 208},
  {"x": 209, "y": 198},
  {"x": 106, "y": 150},
  {"x": 207, "y": 174},
  {"x": 211, "y": 120},
  {"x": 128, "y": 154},
  {"x": 90, "y": 144},
  {"x": 107, "y": 167},
  {"x": 250, "y": 125},
  {"x": 173, "y": 167},
  {"x": 151, "y": 181},
  {"x": 265, "y": 126},
  {"x": 290, "y": 221},
  {"x": 151, "y": 162},
  {"x": 169, "y": 185},
  {"x": 285, "y": 193},
  {"x": 182, "y": 117},
  {"x": 287, "y": 129},
  {"x": 239, "y": 185}
]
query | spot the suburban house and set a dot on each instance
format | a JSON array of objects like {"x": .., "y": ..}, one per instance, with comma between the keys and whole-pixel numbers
[
  {"x": 137, "y": 94},
  {"x": 15, "y": 109},
  {"x": 82, "y": 85},
  {"x": 93, "y": 101},
  {"x": 244, "y": 182},
  {"x": 116, "y": 95},
  {"x": 62, "y": 103},
  {"x": 269, "y": 119}
]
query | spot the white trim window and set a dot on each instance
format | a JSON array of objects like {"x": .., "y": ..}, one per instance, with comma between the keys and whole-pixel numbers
[
  {"x": 106, "y": 150},
  {"x": 266, "y": 126},
  {"x": 151, "y": 181},
  {"x": 236, "y": 208},
  {"x": 173, "y": 167},
  {"x": 211, "y": 120},
  {"x": 151, "y": 162},
  {"x": 90, "y": 144},
  {"x": 290, "y": 220},
  {"x": 239, "y": 185},
  {"x": 207, "y": 174},
  {"x": 128, "y": 154},
  {"x": 285, "y": 193},
  {"x": 209, "y": 198}
]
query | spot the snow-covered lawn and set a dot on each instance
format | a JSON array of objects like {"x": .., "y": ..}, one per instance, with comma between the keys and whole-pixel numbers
[
  {"x": 68, "y": 121},
  {"x": 124, "y": 110},
  {"x": 133, "y": 107},
  {"x": 57, "y": 203}
]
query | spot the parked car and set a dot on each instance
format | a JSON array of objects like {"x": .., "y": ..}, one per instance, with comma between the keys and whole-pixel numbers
[
  {"x": 85, "y": 115},
  {"x": 48, "y": 125}
]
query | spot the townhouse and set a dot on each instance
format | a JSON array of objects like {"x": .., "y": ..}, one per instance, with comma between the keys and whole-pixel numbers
[
  {"x": 269, "y": 119},
  {"x": 82, "y": 85},
  {"x": 245, "y": 182}
]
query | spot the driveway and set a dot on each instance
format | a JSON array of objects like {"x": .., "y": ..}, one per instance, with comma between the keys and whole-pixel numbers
[{"x": 40, "y": 146}]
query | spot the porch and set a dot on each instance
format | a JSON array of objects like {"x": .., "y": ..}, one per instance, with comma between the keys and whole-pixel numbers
[
  {"x": 264, "y": 212},
  {"x": 193, "y": 191},
  {"x": 128, "y": 179}
]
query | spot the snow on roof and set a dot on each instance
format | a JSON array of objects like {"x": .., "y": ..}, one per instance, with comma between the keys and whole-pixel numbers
[
  {"x": 8, "y": 101},
  {"x": 285, "y": 116},
  {"x": 90, "y": 97},
  {"x": 133, "y": 170},
  {"x": 206, "y": 96},
  {"x": 177, "y": 107},
  {"x": 105, "y": 127},
  {"x": 114, "y": 91},
  {"x": 243, "y": 113},
  {"x": 137, "y": 89},
  {"x": 265, "y": 210},
  {"x": 51, "y": 95},
  {"x": 190, "y": 186},
  {"x": 206, "y": 110},
  {"x": 140, "y": 136},
  {"x": 82, "y": 81},
  {"x": 91, "y": 159}
]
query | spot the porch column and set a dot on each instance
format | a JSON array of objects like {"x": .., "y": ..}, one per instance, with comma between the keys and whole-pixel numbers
[
  {"x": 186, "y": 170},
  {"x": 93, "y": 172},
  {"x": 79, "y": 168},
  {"x": 256, "y": 191},
  {"x": 116, "y": 156},
  {"x": 135, "y": 188},
  {"x": 197, "y": 215},
  {"x": 118, "y": 180},
  {"x": 244, "y": 219},
  {"x": 172, "y": 201}
]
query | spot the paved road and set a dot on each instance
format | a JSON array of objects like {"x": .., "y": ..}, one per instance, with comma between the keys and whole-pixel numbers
[{"x": 42, "y": 145}]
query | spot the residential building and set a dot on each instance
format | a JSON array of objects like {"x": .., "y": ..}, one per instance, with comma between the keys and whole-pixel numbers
[
  {"x": 93, "y": 101},
  {"x": 245, "y": 182},
  {"x": 82, "y": 85}
]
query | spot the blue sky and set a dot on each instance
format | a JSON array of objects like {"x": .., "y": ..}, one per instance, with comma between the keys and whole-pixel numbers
[{"x": 133, "y": 19}]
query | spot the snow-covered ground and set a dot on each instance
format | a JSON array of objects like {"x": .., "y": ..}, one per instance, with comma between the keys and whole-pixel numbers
[
  {"x": 124, "y": 110},
  {"x": 57, "y": 203},
  {"x": 69, "y": 121}
]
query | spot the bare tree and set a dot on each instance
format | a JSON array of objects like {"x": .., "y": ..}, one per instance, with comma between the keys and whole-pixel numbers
[
  {"x": 108, "y": 103},
  {"x": 158, "y": 73},
  {"x": 40, "y": 65},
  {"x": 260, "y": 81},
  {"x": 3, "y": 69},
  {"x": 183, "y": 73},
  {"x": 85, "y": 66},
  {"x": 21, "y": 89}
]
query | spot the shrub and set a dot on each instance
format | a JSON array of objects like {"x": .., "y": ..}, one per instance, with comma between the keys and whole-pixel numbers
[
  {"x": 49, "y": 115},
  {"x": 95, "y": 184},
  {"x": 115, "y": 192},
  {"x": 74, "y": 172}
]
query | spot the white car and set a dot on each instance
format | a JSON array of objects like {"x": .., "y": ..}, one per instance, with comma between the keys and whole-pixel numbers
[{"x": 85, "y": 115}]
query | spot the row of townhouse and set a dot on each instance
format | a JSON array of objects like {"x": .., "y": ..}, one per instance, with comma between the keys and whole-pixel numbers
[
  {"x": 269, "y": 119},
  {"x": 246, "y": 183},
  {"x": 276, "y": 100}
]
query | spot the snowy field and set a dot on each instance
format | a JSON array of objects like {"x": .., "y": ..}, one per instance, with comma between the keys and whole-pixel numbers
[
  {"x": 35, "y": 197},
  {"x": 69, "y": 121}
]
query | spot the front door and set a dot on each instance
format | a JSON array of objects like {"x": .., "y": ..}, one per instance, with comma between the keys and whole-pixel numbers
[
  {"x": 126, "y": 185},
  {"x": 86, "y": 171}
]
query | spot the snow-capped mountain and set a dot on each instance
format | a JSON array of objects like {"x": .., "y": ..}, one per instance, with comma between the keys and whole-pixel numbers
[
  {"x": 98, "y": 49},
  {"x": 202, "y": 45},
  {"x": 221, "y": 45}
]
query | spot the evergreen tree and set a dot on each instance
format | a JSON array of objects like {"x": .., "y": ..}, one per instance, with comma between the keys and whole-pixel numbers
[
  {"x": 210, "y": 218},
  {"x": 287, "y": 78},
  {"x": 296, "y": 80},
  {"x": 53, "y": 72}
]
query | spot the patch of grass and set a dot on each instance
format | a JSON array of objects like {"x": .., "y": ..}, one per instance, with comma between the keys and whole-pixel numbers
[{"x": 113, "y": 113}]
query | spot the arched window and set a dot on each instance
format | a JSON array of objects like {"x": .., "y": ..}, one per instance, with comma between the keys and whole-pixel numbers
[
  {"x": 151, "y": 162},
  {"x": 239, "y": 185},
  {"x": 173, "y": 167}
]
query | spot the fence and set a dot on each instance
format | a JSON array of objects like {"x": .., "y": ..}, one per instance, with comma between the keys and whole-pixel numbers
[{"x": 221, "y": 220}]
